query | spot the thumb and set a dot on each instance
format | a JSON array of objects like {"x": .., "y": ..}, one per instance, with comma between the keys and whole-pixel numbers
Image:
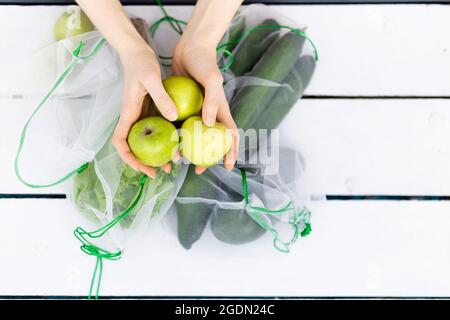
[{"x": 162, "y": 100}]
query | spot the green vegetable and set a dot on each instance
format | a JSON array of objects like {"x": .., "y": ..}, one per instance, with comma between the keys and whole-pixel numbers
[
  {"x": 235, "y": 226},
  {"x": 89, "y": 196},
  {"x": 236, "y": 31},
  {"x": 286, "y": 97},
  {"x": 162, "y": 187},
  {"x": 274, "y": 65},
  {"x": 252, "y": 47},
  {"x": 228, "y": 225},
  {"x": 192, "y": 217},
  {"x": 191, "y": 221},
  {"x": 88, "y": 193},
  {"x": 279, "y": 63}
]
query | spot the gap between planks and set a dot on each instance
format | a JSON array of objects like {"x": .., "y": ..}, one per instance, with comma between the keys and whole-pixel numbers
[{"x": 328, "y": 197}]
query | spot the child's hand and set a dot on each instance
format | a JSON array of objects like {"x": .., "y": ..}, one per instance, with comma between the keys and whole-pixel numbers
[
  {"x": 142, "y": 75},
  {"x": 198, "y": 60}
]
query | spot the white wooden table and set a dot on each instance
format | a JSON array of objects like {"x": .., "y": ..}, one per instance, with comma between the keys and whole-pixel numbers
[{"x": 376, "y": 121}]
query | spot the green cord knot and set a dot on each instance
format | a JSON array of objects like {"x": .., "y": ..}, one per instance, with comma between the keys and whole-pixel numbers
[
  {"x": 297, "y": 220},
  {"x": 91, "y": 249},
  {"x": 307, "y": 230},
  {"x": 76, "y": 52},
  {"x": 299, "y": 32},
  {"x": 83, "y": 167},
  {"x": 142, "y": 180}
]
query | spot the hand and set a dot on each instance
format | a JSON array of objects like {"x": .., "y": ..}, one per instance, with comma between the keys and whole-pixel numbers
[
  {"x": 198, "y": 60},
  {"x": 142, "y": 75}
]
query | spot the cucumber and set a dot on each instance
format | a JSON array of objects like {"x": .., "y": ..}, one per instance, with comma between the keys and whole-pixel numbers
[
  {"x": 192, "y": 217},
  {"x": 235, "y": 226},
  {"x": 191, "y": 222},
  {"x": 274, "y": 65},
  {"x": 236, "y": 31},
  {"x": 285, "y": 98},
  {"x": 252, "y": 47}
]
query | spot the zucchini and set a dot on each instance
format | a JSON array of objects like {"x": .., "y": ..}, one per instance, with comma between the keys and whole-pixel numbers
[
  {"x": 191, "y": 222},
  {"x": 235, "y": 226},
  {"x": 192, "y": 217},
  {"x": 252, "y": 47},
  {"x": 274, "y": 65},
  {"x": 285, "y": 98},
  {"x": 236, "y": 31}
]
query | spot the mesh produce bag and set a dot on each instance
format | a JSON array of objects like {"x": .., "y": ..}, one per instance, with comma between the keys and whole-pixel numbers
[
  {"x": 266, "y": 59},
  {"x": 77, "y": 113},
  {"x": 242, "y": 205},
  {"x": 271, "y": 62},
  {"x": 267, "y": 62},
  {"x": 68, "y": 135}
]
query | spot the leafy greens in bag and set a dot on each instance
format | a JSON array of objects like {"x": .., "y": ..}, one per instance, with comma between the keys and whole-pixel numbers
[{"x": 89, "y": 196}]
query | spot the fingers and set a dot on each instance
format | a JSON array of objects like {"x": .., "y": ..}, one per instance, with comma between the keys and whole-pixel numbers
[
  {"x": 176, "y": 157},
  {"x": 178, "y": 70},
  {"x": 214, "y": 97},
  {"x": 227, "y": 120},
  {"x": 199, "y": 170},
  {"x": 163, "y": 102},
  {"x": 231, "y": 156},
  {"x": 131, "y": 111},
  {"x": 166, "y": 167}
]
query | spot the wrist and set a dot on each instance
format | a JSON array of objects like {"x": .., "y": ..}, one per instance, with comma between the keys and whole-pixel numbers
[
  {"x": 199, "y": 40},
  {"x": 188, "y": 44},
  {"x": 129, "y": 43}
]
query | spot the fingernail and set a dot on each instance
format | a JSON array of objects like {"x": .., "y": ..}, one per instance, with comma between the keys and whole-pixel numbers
[
  {"x": 176, "y": 158},
  {"x": 210, "y": 121},
  {"x": 229, "y": 165},
  {"x": 151, "y": 175},
  {"x": 167, "y": 169},
  {"x": 172, "y": 115}
]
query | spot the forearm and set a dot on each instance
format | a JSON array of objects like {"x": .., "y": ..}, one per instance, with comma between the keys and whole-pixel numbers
[
  {"x": 210, "y": 20},
  {"x": 113, "y": 22}
]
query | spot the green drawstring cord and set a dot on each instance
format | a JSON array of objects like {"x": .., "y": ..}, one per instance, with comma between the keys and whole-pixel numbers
[
  {"x": 76, "y": 58},
  {"x": 173, "y": 22},
  {"x": 254, "y": 29},
  {"x": 298, "y": 218},
  {"x": 89, "y": 248},
  {"x": 222, "y": 47}
]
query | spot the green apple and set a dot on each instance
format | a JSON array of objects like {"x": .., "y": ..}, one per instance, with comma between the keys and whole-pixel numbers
[
  {"x": 72, "y": 23},
  {"x": 186, "y": 94},
  {"x": 153, "y": 141},
  {"x": 202, "y": 145}
]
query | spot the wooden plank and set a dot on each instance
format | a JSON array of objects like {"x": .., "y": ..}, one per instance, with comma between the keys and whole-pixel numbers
[
  {"x": 391, "y": 147},
  {"x": 355, "y": 249},
  {"x": 364, "y": 50},
  {"x": 350, "y": 147}
]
